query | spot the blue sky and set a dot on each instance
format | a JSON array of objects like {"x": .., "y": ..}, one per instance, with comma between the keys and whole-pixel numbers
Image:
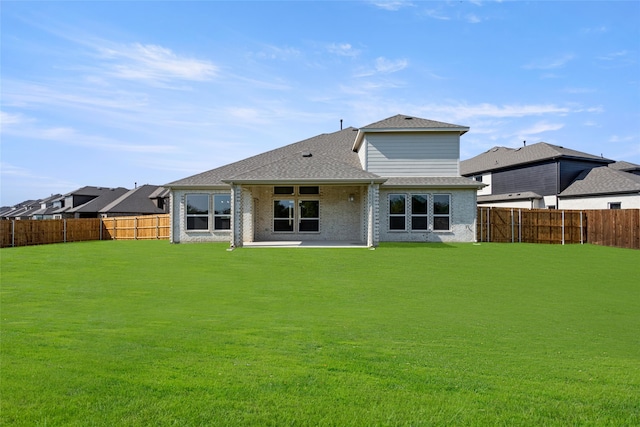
[{"x": 114, "y": 93}]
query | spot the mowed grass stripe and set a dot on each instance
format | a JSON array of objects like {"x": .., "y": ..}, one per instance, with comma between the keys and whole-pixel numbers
[{"x": 148, "y": 333}]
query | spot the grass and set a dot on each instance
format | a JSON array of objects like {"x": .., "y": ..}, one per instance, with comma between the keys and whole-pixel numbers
[{"x": 148, "y": 333}]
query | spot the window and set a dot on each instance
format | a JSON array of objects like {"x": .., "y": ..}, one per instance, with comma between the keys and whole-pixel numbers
[
  {"x": 478, "y": 178},
  {"x": 283, "y": 215},
  {"x": 419, "y": 214},
  {"x": 397, "y": 212},
  {"x": 197, "y": 211},
  {"x": 222, "y": 212},
  {"x": 441, "y": 212},
  {"x": 309, "y": 215},
  {"x": 309, "y": 190},
  {"x": 283, "y": 190},
  {"x": 615, "y": 205}
]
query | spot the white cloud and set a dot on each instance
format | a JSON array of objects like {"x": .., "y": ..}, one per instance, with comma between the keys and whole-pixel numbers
[
  {"x": 387, "y": 66},
  {"x": 343, "y": 49},
  {"x": 435, "y": 14},
  {"x": 392, "y": 5},
  {"x": 473, "y": 19},
  {"x": 278, "y": 53},
  {"x": 10, "y": 119},
  {"x": 550, "y": 63},
  {"x": 152, "y": 63},
  {"x": 541, "y": 127}
]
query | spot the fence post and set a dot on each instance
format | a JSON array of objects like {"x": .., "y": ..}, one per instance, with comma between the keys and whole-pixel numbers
[
  {"x": 64, "y": 230},
  {"x": 135, "y": 228},
  {"x": 513, "y": 231},
  {"x": 13, "y": 233},
  {"x": 563, "y": 227},
  {"x": 157, "y": 227},
  {"x": 519, "y": 225},
  {"x": 100, "y": 224},
  {"x": 488, "y": 225},
  {"x": 581, "y": 230}
]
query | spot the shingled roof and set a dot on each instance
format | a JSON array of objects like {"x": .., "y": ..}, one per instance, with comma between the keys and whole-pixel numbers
[
  {"x": 401, "y": 121},
  {"x": 603, "y": 180},
  {"x": 503, "y": 157},
  {"x": 325, "y": 148}
]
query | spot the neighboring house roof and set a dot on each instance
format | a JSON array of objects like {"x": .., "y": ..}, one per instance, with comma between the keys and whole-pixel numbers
[
  {"x": 522, "y": 195},
  {"x": 402, "y": 123},
  {"x": 136, "y": 201},
  {"x": 95, "y": 205},
  {"x": 625, "y": 166},
  {"x": 89, "y": 190},
  {"x": 602, "y": 180},
  {"x": 503, "y": 157},
  {"x": 160, "y": 193}
]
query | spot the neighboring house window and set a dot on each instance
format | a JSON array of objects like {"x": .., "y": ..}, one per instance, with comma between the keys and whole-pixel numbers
[
  {"x": 478, "y": 178},
  {"x": 309, "y": 215},
  {"x": 397, "y": 212},
  {"x": 441, "y": 212},
  {"x": 222, "y": 212},
  {"x": 419, "y": 212},
  {"x": 283, "y": 215},
  {"x": 197, "y": 211},
  {"x": 615, "y": 205}
]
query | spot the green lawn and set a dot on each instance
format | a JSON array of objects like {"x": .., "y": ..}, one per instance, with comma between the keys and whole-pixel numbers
[{"x": 149, "y": 333}]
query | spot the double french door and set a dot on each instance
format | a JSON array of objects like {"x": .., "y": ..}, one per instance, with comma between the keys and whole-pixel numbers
[{"x": 296, "y": 215}]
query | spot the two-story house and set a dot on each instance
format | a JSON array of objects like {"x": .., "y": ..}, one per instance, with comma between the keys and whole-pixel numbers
[
  {"x": 531, "y": 177},
  {"x": 394, "y": 180}
]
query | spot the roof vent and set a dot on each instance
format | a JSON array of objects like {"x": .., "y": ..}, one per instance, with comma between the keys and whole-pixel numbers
[
  {"x": 408, "y": 118},
  {"x": 307, "y": 154}
]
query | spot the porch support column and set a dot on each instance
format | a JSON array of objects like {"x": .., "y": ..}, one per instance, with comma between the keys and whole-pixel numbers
[
  {"x": 236, "y": 216},
  {"x": 373, "y": 213}
]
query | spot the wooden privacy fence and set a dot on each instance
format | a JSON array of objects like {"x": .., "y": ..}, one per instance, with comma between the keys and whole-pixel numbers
[
  {"x": 154, "y": 227},
  {"x": 41, "y": 232},
  {"x": 614, "y": 227}
]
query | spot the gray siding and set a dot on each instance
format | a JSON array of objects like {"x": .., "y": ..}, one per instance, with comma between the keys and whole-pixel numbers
[
  {"x": 540, "y": 178},
  {"x": 411, "y": 154},
  {"x": 570, "y": 169}
]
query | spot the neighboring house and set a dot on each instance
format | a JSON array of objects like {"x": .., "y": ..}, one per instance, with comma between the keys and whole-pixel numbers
[
  {"x": 143, "y": 200},
  {"x": 22, "y": 210},
  {"x": 47, "y": 207},
  {"x": 626, "y": 167},
  {"x": 602, "y": 188},
  {"x": 393, "y": 180},
  {"x": 86, "y": 202},
  {"x": 531, "y": 177}
]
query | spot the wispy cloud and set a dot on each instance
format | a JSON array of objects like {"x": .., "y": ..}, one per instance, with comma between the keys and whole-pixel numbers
[
  {"x": 69, "y": 136},
  {"x": 473, "y": 19},
  {"x": 391, "y": 5},
  {"x": 436, "y": 14},
  {"x": 387, "y": 66},
  {"x": 153, "y": 63},
  {"x": 343, "y": 49},
  {"x": 550, "y": 63},
  {"x": 541, "y": 127},
  {"x": 281, "y": 53},
  {"x": 614, "y": 56}
]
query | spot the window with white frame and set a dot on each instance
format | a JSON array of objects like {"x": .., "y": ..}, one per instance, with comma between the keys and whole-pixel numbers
[
  {"x": 309, "y": 216},
  {"x": 615, "y": 205},
  {"x": 222, "y": 212},
  {"x": 197, "y": 211},
  {"x": 419, "y": 212},
  {"x": 284, "y": 215},
  {"x": 441, "y": 212},
  {"x": 397, "y": 212}
]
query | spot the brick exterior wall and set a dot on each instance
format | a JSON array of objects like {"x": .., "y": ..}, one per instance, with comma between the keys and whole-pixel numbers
[{"x": 463, "y": 217}]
